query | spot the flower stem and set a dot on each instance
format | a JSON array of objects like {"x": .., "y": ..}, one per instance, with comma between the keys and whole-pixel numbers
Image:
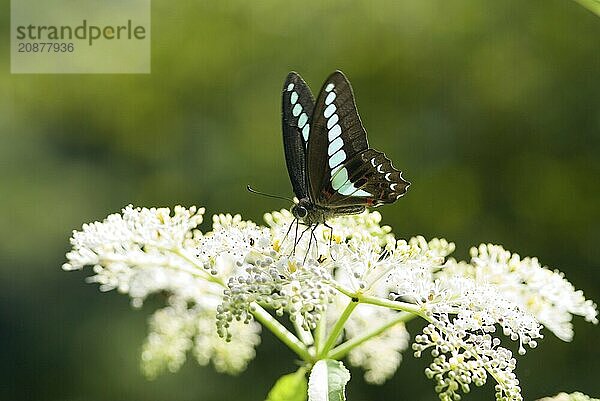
[
  {"x": 386, "y": 303},
  {"x": 396, "y": 305},
  {"x": 280, "y": 331},
  {"x": 341, "y": 350},
  {"x": 305, "y": 336},
  {"x": 193, "y": 260},
  {"x": 320, "y": 332},
  {"x": 337, "y": 328}
]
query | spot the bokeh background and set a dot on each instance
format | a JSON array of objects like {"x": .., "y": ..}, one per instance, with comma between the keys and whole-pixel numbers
[{"x": 491, "y": 109}]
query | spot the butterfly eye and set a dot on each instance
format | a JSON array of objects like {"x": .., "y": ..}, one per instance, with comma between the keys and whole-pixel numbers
[{"x": 300, "y": 212}]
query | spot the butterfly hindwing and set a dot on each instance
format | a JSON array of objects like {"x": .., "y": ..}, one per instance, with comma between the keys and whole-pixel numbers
[
  {"x": 372, "y": 181},
  {"x": 297, "y": 104},
  {"x": 342, "y": 170}
]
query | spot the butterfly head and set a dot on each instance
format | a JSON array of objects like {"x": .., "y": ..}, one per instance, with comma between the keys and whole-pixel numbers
[
  {"x": 303, "y": 210},
  {"x": 299, "y": 211},
  {"x": 308, "y": 213}
]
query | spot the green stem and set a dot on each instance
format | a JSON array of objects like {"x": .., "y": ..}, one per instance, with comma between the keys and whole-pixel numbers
[
  {"x": 280, "y": 331},
  {"x": 320, "y": 332},
  {"x": 386, "y": 303},
  {"x": 396, "y": 305},
  {"x": 341, "y": 350},
  {"x": 592, "y": 5},
  {"x": 346, "y": 291},
  {"x": 337, "y": 328},
  {"x": 196, "y": 272},
  {"x": 193, "y": 260},
  {"x": 305, "y": 336}
]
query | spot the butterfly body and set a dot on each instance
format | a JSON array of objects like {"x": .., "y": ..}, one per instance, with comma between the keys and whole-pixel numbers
[
  {"x": 331, "y": 167},
  {"x": 309, "y": 213}
]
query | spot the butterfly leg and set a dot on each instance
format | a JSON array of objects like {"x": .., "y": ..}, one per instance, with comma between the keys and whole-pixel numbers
[
  {"x": 384, "y": 254},
  {"x": 289, "y": 229},
  {"x": 331, "y": 234},
  {"x": 312, "y": 235},
  {"x": 307, "y": 249},
  {"x": 330, "y": 239},
  {"x": 297, "y": 241}
]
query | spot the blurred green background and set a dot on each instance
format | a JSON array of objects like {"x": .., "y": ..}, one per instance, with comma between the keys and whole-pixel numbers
[{"x": 491, "y": 109}]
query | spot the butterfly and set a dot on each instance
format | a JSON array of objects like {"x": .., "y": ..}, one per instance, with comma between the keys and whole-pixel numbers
[{"x": 331, "y": 167}]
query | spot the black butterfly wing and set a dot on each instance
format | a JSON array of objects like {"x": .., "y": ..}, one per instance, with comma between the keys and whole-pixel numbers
[
  {"x": 371, "y": 180},
  {"x": 342, "y": 170},
  {"x": 297, "y": 104}
]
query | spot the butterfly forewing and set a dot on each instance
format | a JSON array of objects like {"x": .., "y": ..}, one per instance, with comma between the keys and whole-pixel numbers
[
  {"x": 334, "y": 114},
  {"x": 297, "y": 104},
  {"x": 342, "y": 170}
]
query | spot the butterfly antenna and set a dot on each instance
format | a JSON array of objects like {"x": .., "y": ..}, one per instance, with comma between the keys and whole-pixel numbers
[{"x": 250, "y": 189}]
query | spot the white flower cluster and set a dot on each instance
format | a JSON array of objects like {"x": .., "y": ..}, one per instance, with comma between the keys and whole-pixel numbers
[
  {"x": 380, "y": 355},
  {"x": 144, "y": 251},
  {"x": 462, "y": 359},
  {"x": 348, "y": 288},
  {"x": 177, "y": 329},
  {"x": 544, "y": 293},
  {"x": 141, "y": 251},
  {"x": 496, "y": 289},
  {"x": 569, "y": 397},
  {"x": 284, "y": 278},
  {"x": 280, "y": 284}
]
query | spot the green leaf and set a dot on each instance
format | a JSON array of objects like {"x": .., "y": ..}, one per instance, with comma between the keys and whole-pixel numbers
[
  {"x": 592, "y": 5},
  {"x": 327, "y": 381},
  {"x": 290, "y": 387}
]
